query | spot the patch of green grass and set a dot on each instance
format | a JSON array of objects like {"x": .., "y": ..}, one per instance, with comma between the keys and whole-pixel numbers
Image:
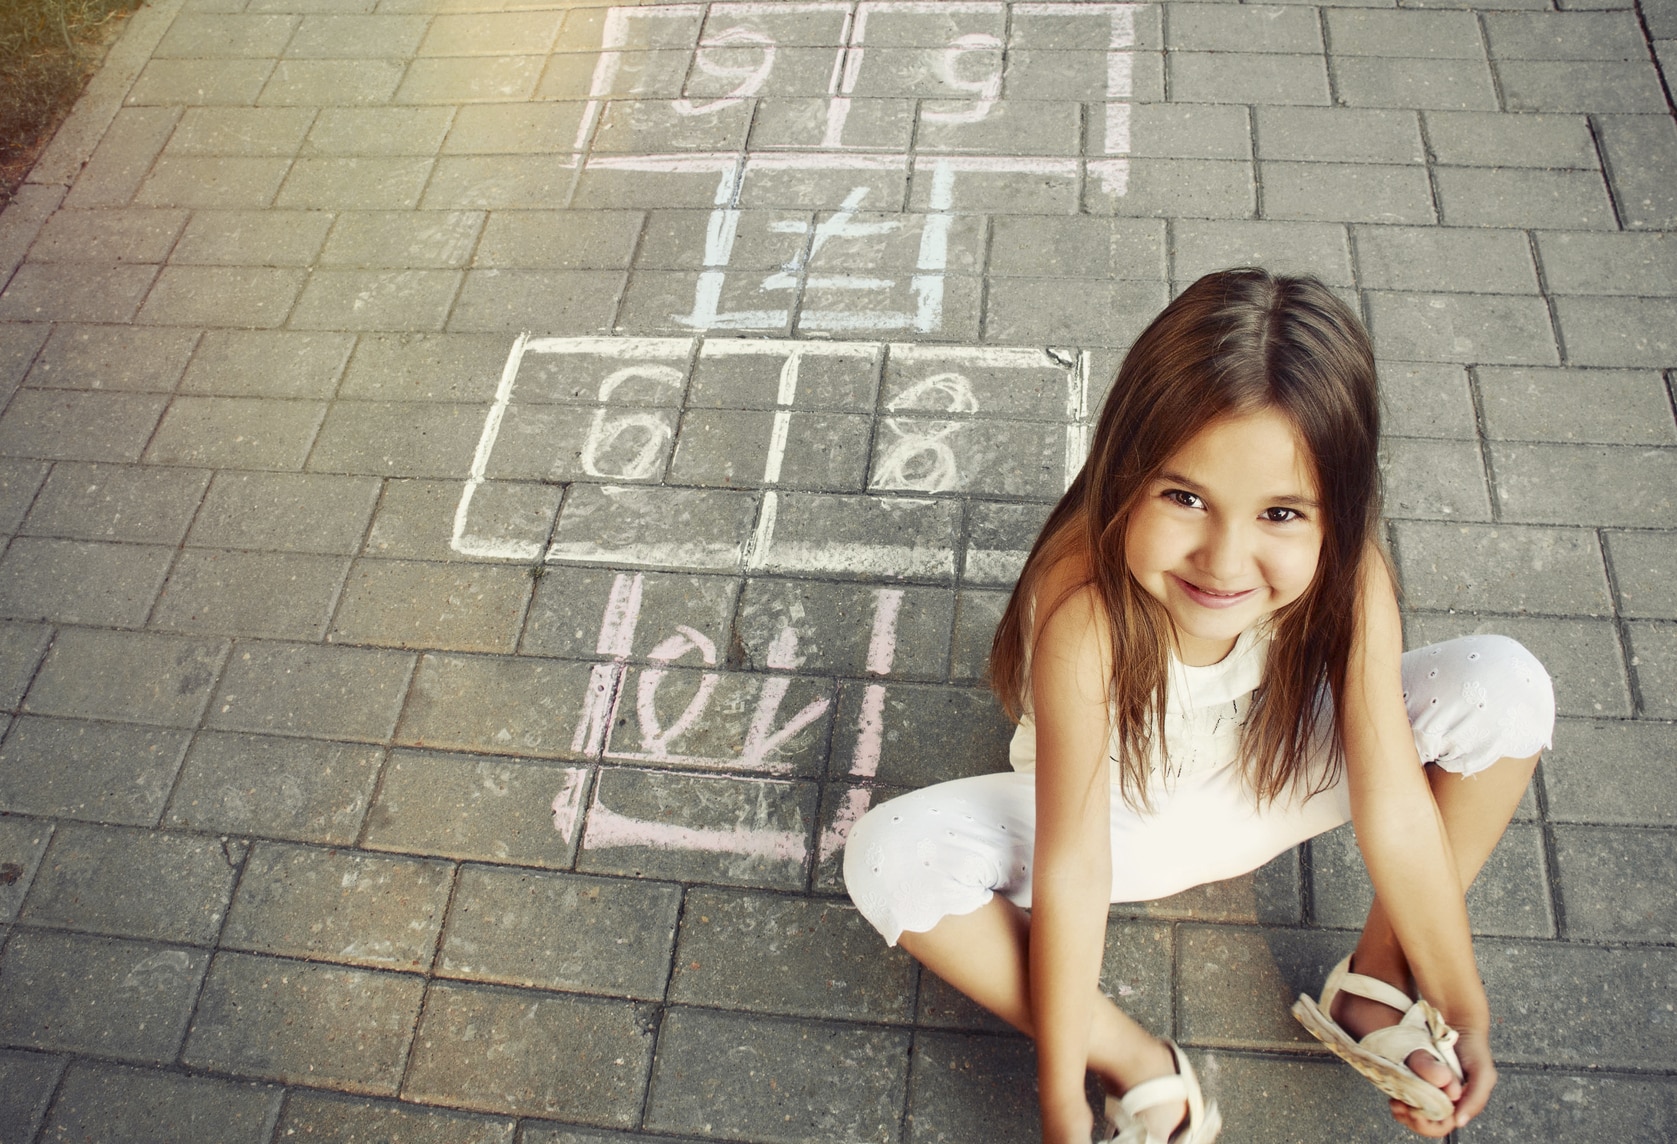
[{"x": 47, "y": 49}]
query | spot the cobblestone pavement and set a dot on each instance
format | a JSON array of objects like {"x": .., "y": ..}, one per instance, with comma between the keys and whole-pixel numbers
[{"x": 492, "y": 490}]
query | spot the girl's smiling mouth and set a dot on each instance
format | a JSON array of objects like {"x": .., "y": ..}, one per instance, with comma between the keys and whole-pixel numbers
[{"x": 1210, "y": 599}]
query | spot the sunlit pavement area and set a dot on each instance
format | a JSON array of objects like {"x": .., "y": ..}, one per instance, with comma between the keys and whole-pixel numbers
[{"x": 493, "y": 491}]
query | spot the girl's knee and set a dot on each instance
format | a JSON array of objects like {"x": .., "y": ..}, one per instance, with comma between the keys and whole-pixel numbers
[{"x": 1477, "y": 699}]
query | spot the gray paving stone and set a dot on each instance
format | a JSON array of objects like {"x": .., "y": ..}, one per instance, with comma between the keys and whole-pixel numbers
[
  {"x": 848, "y": 381},
  {"x": 1599, "y": 86},
  {"x": 562, "y": 616},
  {"x": 1417, "y": 35},
  {"x": 494, "y": 704},
  {"x": 1235, "y": 984},
  {"x": 267, "y": 363},
  {"x": 425, "y": 367},
  {"x": 1574, "y": 1108},
  {"x": 1201, "y": 246},
  {"x": 1220, "y": 77},
  {"x": 1617, "y": 407},
  {"x": 1502, "y": 568},
  {"x": 19, "y": 482},
  {"x": 1324, "y": 1102},
  {"x": 1025, "y": 310},
  {"x": 398, "y": 438},
  {"x": 196, "y": 35},
  {"x": 1434, "y": 480},
  {"x": 1596, "y": 263},
  {"x": 469, "y": 807},
  {"x": 1495, "y": 139},
  {"x": 316, "y": 83},
  {"x": 378, "y": 130},
  {"x": 561, "y": 931},
  {"x": 281, "y": 788},
  {"x": 703, "y": 529},
  {"x": 27, "y": 1083},
  {"x": 213, "y": 182},
  {"x": 328, "y": 1116},
  {"x": 1640, "y": 151},
  {"x": 239, "y": 238},
  {"x": 834, "y": 627},
  {"x": 1641, "y": 561},
  {"x": 293, "y": 512},
  {"x": 1517, "y": 197},
  {"x": 334, "y": 905},
  {"x": 1073, "y": 74},
  {"x": 557, "y": 301},
  {"x": 292, "y": 1021},
  {"x": 72, "y": 769},
  {"x": 511, "y": 182},
  {"x": 493, "y": 1049},
  {"x": 98, "y": 995},
  {"x": 1582, "y": 656},
  {"x": 1569, "y": 36},
  {"x": 1653, "y": 657},
  {"x": 1593, "y": 485},
  {"x": 930, "y": 734},
  {"x": 1426, "y": 84},
  {"x": 1662, "y": 18},
  {"x": 22, "y": 842},
  {"x": 376, "y": 299},
  {"x": 113, "y": 358},
  {"x": 236, "y": 432},
  {"x": 140, "y": 677},
  {"x": 298, "y": 689},
  {"x": 134, "y": 883},
  {"x": 359, "y": 183},
  {"x": 571, "y": 240},
  {"x": 728, "y": 447},
  {"x": 20, "y": 342},
  {"x": 170, "y": 82},
  {"x": 330, "y": 35},
  {"x": 1509, "y": 898},
  {"x": 415, "y": 519},
  {"x": 394, "y": 239},
  {"x": 756, "y": 831},
  {"x": 116, "y": 502},
  {"x": 1614, "y": 882},
  {"x": 1575, "y": 1005},
  {"x": 1209, "y": 28},
  {"x": 120, "y": 163},
  {"x": 134, "y": 234},
  {"x": 490, "y": 34},
  {"x": 976, "y": 617},
  {"x": 790, "y": 956},
  {"x": 412, "y": 604},
  {"x": 1013, "y": 127},
  {"x": 1343, "y": 135},
  {"x": 108, "y": 1103},
  {"x": 885, "y": 124},
  {"x": 75, "y": 292},
  {"x": 776, "y": 1080},
  {"x": 962, "y": 1087},
  {"x": 79, "y": 426},
  {"x": 1426, "y": 399},
  {"x": 1077, "y": 247},
  {"x": 1481, "y": 329},
  {"x": 258, "y": 296},
  {"x": 263, "y": 594},
  {"x": 276, "y": 132},
  {"x": 81, "y": 582},
  {"x": 1618, "y": 331},
  {"x": 1346, "y": 192},
  {"x": 1444, "y": 258},
  {"x": 469, "y": 80}
]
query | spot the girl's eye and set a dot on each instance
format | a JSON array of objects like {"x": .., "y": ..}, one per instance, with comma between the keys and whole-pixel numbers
[
  {"x": 1184, "y": 498},
  {"x": 1281, "y": 515}
]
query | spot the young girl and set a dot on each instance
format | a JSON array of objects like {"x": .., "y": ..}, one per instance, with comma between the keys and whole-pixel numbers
[{"x": 1205, "y": 657}]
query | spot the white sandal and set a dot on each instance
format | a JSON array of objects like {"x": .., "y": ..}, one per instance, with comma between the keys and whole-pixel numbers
[
  {"x": 1200, "y": 1126},
  {"x": 1380, "y": 1056}
]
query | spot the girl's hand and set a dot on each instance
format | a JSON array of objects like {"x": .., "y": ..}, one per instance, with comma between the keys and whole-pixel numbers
[{"x": 1474, "y": 1051}]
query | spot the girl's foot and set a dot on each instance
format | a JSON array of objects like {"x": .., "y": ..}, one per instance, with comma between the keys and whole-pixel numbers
[
  {"x": 1359, "y": 1016},
  {"x": 1155, "y": 1061}
]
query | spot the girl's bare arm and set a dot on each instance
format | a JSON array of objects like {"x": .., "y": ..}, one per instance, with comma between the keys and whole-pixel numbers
[
  {"x": 1398, "y": 826},
  {"x": 1072, "y": 872}
]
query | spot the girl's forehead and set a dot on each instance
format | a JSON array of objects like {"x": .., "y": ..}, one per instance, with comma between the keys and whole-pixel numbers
[{"x": 1258, "y": 453}]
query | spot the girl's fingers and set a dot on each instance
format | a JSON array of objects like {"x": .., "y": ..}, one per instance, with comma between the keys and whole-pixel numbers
[{"x": 1411, "y": 1119}]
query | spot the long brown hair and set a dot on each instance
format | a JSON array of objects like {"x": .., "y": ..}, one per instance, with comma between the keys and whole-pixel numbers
[{"x": 1235, "y": 342}]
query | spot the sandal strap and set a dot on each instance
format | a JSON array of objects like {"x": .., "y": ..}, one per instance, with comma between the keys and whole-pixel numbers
[
  {"x": 1151, "y": 1093},
  {"x": 1359, "y": 985},
  {"x": 1422, "y": 1029}
]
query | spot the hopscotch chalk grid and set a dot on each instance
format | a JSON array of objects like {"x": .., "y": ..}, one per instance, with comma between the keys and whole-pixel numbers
[{"x": 948, "y": 431}]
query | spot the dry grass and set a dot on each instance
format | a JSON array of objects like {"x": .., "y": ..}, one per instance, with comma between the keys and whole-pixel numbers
[{"x": 48, "y": 48}]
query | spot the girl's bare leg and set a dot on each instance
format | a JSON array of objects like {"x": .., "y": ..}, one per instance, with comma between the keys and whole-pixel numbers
[
  {"x": 985, "y": 955},
  {"x": 1476, "y": 811}
]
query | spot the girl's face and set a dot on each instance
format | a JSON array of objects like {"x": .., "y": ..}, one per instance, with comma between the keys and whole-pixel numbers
[{"x": 1228, "y": 532}]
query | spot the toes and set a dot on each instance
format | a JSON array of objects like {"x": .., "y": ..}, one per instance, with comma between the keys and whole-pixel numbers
[{"x": 1430, "y": 1069}]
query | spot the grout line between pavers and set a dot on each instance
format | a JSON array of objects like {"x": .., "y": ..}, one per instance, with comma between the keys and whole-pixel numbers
[
  {"x": 64, "y": 1063},
  {"x": 1606, "y": 171},
  {"x": 1659, "y": 67}
]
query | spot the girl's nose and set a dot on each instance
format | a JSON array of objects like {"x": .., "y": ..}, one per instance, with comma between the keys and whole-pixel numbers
[{"x": 1224, "y": 554}]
